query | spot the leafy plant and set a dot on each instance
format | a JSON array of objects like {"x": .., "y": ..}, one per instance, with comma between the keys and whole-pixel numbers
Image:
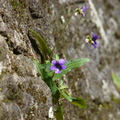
[
  {"x": 42, "y": 45},
  {"x": 58, "y": 89},
  {"x": 53, "y": 70}
]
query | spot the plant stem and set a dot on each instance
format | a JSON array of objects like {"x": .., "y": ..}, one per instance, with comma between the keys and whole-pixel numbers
[
  {"x": 63, "y": 30},
  {"x": 53, "y": 75},
  {"x": 82, "y": 42}
]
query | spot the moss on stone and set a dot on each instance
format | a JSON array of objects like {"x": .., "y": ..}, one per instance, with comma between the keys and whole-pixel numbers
[{"x": 18, "y": 7}]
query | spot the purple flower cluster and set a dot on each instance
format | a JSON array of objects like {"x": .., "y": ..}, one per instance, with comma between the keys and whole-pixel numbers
[
  {"x": 58, "y": 65},
  {"x": 92, "y": 39},
  {"x": 81, "y": 10}
]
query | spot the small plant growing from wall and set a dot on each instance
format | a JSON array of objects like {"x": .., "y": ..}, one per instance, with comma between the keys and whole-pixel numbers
[{"x": 54, "y": 68}]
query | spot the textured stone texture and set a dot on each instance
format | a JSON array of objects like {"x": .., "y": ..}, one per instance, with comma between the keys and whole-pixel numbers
[
  {"x": 23, "y": 95},
  {"x": 93, "y": 81}
]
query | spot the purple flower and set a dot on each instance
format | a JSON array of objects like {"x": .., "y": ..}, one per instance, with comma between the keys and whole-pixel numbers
[
  {"x": 81, "y": 10},
  {"x": 94, "y": 38},
  {"x": 58, "y": 65}
]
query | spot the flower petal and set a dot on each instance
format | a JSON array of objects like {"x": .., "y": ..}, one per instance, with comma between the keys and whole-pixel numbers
[
  {"x": 94, "y": 45},
  {"x": 82, "y": 13},
  {"x": 62, "y": 61},
  {"x": 76, "y": 13},
  {"x": 84, "y": 8},
  {"x": 54, "y": 62},
  {"x": 63, "y": 67},
  {"x": 53, "y": 68},
  {"x": 94, "y": 36},
  {"x": 57, "y": 71},
  {"x": 86, "y": 40}
]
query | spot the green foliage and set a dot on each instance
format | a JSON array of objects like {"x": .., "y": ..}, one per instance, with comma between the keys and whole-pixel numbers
[
  {"x": 59, "y": 113},
  {"x": 48, "y": 80},
  {"x": 71, "y": 65},
  {"x": 116, "y": 80},
  {"x": 42, "y": 45},
  {"x": 19, "y": 7},
  {"x": 80, "y": 102},
  {"x": 57, "y": 88},
  {"x": 54, "y": 81}
]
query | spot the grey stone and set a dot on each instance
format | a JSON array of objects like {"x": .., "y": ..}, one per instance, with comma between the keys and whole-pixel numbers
[
  {"x": 3, "y": 48},
  {"x": 23, "y": 95},
  {"x": 23, "y": 98}
]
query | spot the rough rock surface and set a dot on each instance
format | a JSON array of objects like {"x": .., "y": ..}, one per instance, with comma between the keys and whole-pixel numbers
[
  {"x": 93, "y": 81},
  {"x": 23, "y": 95}
]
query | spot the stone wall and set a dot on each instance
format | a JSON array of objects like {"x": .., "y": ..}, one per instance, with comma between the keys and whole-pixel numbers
[
  {"x": 93, "y": 81},
  {"x": 23, "y": 95}
]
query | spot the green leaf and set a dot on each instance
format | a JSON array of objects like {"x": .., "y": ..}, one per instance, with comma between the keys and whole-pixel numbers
[
  {"x": 40, "y": 68},
  {"x": 71, "y": 65},
  {"x": 48, "y": 79},
  {"x": 42, "y": 45},
  {"x": 80, "y": 102},
  {"x": 116, "y": 80},
  {"x": 61, "y": 85},
  {"x": 57, "y": 57},
  {"x": 59, "y": 113},
  {"x": 66, "y": 96}
]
